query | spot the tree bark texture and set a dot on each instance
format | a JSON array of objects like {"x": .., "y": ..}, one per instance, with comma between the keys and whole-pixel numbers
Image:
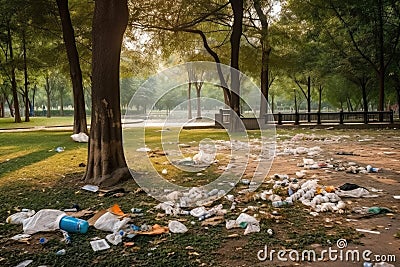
[
  {"x": 237, "y": 30},
  {"x": 26, "y": 96},
  {"x": 17, "y": 115},
  {"x": 106, "y": 165},
  {"x": 80, "y": 124}
]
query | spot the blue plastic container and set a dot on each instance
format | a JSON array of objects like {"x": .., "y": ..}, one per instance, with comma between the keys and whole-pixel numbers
[{"x": 74, "y": 225}]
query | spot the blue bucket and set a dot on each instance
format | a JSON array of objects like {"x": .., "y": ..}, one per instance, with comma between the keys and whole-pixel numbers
[{"x": 74, "y": 225}]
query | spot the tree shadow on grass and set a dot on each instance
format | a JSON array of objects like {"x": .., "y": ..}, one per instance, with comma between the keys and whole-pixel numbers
[{"x": 23, "y": 161}]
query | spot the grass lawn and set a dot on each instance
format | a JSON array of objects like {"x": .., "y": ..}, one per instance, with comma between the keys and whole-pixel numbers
[
  {"x": 8, "y": 123},
  {"x": 33, "y": 175}
]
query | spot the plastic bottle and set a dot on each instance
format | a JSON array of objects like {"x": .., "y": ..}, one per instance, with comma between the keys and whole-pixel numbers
[
  {"x": 278, "y": 204},
  {"x": 367, "y": 264},
  {"x": 74, "y": 225}
]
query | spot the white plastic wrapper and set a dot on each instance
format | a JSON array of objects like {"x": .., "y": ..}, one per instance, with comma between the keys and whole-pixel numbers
[
  {"x": 43, "y": 221},
  {"x": 177, "y": 227},
  {"x": 110, "y": 223},
  {"x": 80, "y": 137},
  {"x": 114, "y": 238},
  {"x": 19, "y": 217}
]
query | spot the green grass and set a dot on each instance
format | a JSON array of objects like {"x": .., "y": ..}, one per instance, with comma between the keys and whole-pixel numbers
[{"x": 8, "y": 123}]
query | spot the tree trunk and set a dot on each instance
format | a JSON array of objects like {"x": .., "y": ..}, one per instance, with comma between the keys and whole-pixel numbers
[
  {"x": 237, "y": 8},
  {"x": 398, "y": 99},
  {"x": 382, "y": 68},
  {"x": 48, "y": 94},
  {"x": 106, "y": 165},
  {"x": 26, "y": 96},
  {"x": 266, "y": 51},
  {"x": 272, "y": 103},
  {"x": 61, "y": 104},
  {"x": 309, "y": 98},
  {"x": 80, "y": 124},
  {"x": 17, "y": 115},
  {"x": 10, "y": 105},
  {"x": 33, "y": 99},
  {"x": 1, "y": 106},
  {"x": 320, "y": 98}
]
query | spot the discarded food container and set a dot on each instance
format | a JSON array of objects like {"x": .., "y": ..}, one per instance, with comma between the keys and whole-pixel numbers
[
  {"x": 59, "y": 149},
  {"x": 74, "y": 225}
]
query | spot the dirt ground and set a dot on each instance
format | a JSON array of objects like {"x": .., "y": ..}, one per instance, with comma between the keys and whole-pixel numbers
[{"x": 380, "y": 149}]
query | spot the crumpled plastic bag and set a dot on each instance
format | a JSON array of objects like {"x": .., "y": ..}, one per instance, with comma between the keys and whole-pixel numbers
[
  {"x": 19, "y": 217},
  {"x": 203, "y": 158},
  {"x": 252, "y": 225},
  {"x": 80, "y": 137},
  {"x": 110, "y": 223},
  {"x": 357, "y": 193},
  {"x": 114, "y": 238},
  {"x": 43, "y": 221},
  {"x": 177, "y": 227}
]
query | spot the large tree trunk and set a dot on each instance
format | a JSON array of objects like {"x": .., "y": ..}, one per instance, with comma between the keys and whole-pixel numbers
[
  {"x": 106, "y": 165},
  {"x": 17, "y": 115},
  {"x": 80, "y": 124},
  {"x": 26, "y": 96},
  {"x": 1, "y": 106},
  {"x": 237, "y": 30},
  {"x": 266, "y": 51}
]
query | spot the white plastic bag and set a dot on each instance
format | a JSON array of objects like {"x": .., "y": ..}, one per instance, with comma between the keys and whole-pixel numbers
[
  {"x": 110, "y": 223},
  {"x": 177, "y": 227},
  {"x": 114, "y": 238},
  {"x": 19, "y": 217},
  {"x": 43, "y": 221},
  {"x": 80, "y": 137}
]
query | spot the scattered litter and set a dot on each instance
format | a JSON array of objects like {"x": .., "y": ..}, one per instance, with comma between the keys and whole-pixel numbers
[
  {"x": 110, "y": 222},
  {"x": 19, "y": 217},
  {"x": 164, "y": 171},
  {"x": 80, "y": 137},
  {"x": 74, "y": 225},
  {"x": 153, "y": 230},
  {"x": 99, "y": 245},
  {"x": 177, "y": 227},
  {"x": 213, "y": 221},
  {"x": 379, "y": 210},
  {"x": 396, "y": 197},
  {"x": 114, "y": 238},
  {"x": 372, "y": 169},
  {"x": 270, "y": 232},
  {"x": 91, "y": 188},
  {"x": 368, "y": 231},
  {"x": 60, "y": 149},
  {"x": 348, "y": 187},
  {"x": 21, "y": 237},
  {"x": 61, "y": 252},
  {"x": 24, "y": 263},
  {"x": 143, "y": 149},
  {"x": 383, "y": 264},
  {"x": 356, "y": 193},
  {"x": 43, "y": 221},
  {"x": 244, "y": 221}
]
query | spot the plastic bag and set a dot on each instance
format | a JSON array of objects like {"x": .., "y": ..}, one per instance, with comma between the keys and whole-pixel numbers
[
  {"x": 19, "y": 217},
  {"x": 177, "y": 227},
  {"x": 43, "y": 221},
  {"x": 80, "y": 137},
  {"x": 114, "y": 238},
  {"x": 110, "y": 222}
]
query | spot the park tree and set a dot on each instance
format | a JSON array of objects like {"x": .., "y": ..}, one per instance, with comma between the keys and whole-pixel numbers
[
  {"x": 106, "y": 163},
  {"x": 80, "y": 124}
]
